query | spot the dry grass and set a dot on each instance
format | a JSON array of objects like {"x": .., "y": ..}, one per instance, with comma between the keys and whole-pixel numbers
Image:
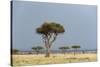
[{"x": 53, "y": 59}]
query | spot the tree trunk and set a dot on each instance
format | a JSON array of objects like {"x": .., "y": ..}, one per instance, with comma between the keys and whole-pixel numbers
[
  {"x": 47, "y": 44},
  {"x": 37, "y": 52},
  {"x": 47, "y": 52},
  {"x": 74, "y": 52},
  {"x": 63, "y": 52}
]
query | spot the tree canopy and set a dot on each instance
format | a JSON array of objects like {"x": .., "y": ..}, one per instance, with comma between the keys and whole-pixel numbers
[
  {"x": 76, "y": 46},
  {"x": 37, "y": 48},
  {"x": 64, "y": 48},
  {"x": 48, "y": 28}
]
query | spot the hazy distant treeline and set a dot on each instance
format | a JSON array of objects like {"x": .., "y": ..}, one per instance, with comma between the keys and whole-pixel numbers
[{"x": 57, "y": 51}]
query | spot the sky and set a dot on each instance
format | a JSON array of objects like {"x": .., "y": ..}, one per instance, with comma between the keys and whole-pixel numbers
[{"x": 79, "y": 21}]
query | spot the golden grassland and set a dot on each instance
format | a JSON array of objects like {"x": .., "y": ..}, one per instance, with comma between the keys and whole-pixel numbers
[{"x": 19, "y": 60}]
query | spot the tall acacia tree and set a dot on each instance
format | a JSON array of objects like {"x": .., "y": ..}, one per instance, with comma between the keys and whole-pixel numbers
[{"x": 49, "y": 32}]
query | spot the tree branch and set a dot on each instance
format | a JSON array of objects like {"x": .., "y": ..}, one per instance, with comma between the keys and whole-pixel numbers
[
  {"x": 49, "y": 39},
  {"x": 54, "y": 36}
]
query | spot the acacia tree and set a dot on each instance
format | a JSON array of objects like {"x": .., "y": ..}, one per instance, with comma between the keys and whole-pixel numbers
[
  {"x": 49, "y": 32},
  {"x": 37, "y": 49},
  {"x": 75, "y": 47},
  {"x": 64, "y": 49}
]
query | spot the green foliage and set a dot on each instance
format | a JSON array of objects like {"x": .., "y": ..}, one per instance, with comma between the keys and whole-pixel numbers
[
  {"x": 37, "y": 48},
  {"x": 64, "y": 47},
  {"x": 76, "y": 46},
  {"x": 48, "y": 28}
]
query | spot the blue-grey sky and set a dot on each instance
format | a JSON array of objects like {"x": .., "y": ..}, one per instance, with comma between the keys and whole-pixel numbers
[{"x": 79, "y": 22}]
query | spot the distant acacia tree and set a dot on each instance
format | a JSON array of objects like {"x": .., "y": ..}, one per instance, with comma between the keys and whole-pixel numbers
[
  {"x": 15, "y": 51},
  {"x": 49, "y": 33},
  {"x": 64, "y": 49},
  {"x": 37, "y": 49},
  {"x": 75, "y": 47}
]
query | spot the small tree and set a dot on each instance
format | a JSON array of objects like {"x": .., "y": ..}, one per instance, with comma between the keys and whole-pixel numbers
[
  {"x": 49, "y": 32},
  {"x": 37, "y": 49},
  {"x": 15, "y": 51},
  {"x": 64, "y": 49},
  {"x": 75, "y": 47}
]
